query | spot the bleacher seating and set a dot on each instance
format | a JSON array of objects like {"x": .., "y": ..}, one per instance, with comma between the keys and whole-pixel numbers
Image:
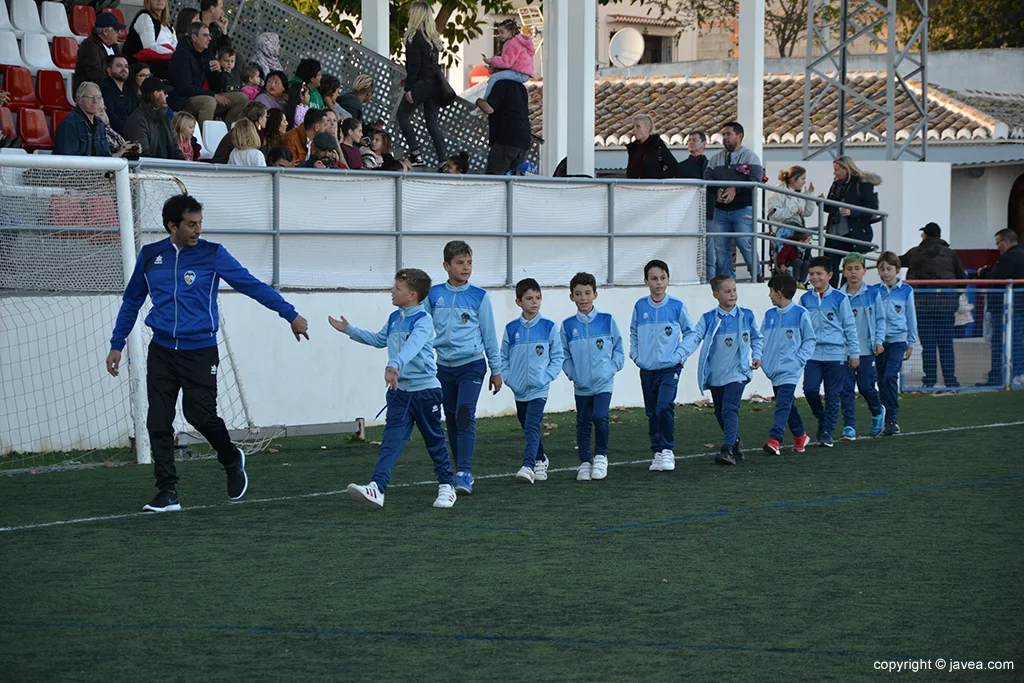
[
  {"x": 58, "y": 116},
  {"x": 65, "y": 52},
  {"x": 213, "y": 133},
  {"x": 54, "y": 19},
  {"x": 35, "y": 51},
  {"x": 18, "y": 82},
  {"x": 51, "y": 91},
  {"x": 5, "y": 18},
  {"x": 33, "y": 130},
  {"x": 10, "y": 53},
  {"x": 83, "y": 20},
  {"x": 25, "y": 16},
  {"x": 7, "y": 128}
]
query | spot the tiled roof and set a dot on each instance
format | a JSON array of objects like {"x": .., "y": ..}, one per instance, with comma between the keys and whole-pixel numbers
[
  {"x": 642, "y": 21},
  {"x": 683, "y": 103}
]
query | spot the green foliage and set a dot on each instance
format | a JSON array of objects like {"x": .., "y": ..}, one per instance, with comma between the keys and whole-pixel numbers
[{"x": 958, "y": 25}]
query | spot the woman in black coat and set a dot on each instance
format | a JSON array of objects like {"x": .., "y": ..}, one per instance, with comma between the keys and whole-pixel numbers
[
  {"x": 851, "y": 186},
  {"x": 422, "y": 50},
  {"x": 649, "y": 156}
]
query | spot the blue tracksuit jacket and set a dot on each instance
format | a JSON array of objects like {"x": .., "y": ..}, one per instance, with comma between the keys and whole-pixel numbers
[
  {"x": 789, "y": 340},
  {"x": 409, "y": 337},
  {"x": 900, "y": 315},
  {"x": 730, "y": 339},
  {"x": 532, "y": 355},
  {"x": 183, "y": 285},
  {"x": 464, "y": 322},
  {"x": 869, "y": 314},
  {"x": 656, "y": 333},
  {"x": 833, "y": 322},
  {"x": 593, "y": 352}
]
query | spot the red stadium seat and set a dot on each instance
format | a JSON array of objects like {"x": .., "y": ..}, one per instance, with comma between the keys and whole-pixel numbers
[
  {"x": 7, "y": 128},
  {"x": 32, "y": 129},
  {"x": 51, "y": 91},
  {"x": 65, "y": 52},
  {"x": 101, "y": 212},
  {"x": 83, "y": 19},
  {"x": 18, "y": 82},
  {"x": 66, "y": 211},
  {"x": 122, "y": 35},
  {"x": 57, "y": 117}
]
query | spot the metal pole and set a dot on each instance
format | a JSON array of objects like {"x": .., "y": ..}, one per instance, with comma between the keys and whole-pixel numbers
[
  {"x": 890, "y": 85},
  {"x": 841, "y": 121},
  {"x": 1008, "y": 338},
  {"x": 755, "y": 252},
  {"x": 885, "y": 229},
  {"x": 821, "y": 228},
  {"x": 611, "y": 234},
  {"x": 398, "y": 223},
  {"x": 924, "y": 78},
  {"x": 508, "y": 232},
  {"x": 275, "y": 280}
]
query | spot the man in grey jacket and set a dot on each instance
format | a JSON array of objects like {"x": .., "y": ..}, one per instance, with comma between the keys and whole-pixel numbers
[{"x": 149, "y": 126}]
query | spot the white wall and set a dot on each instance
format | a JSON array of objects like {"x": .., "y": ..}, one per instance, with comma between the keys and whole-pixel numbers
[{"x": 979, "y": 204}]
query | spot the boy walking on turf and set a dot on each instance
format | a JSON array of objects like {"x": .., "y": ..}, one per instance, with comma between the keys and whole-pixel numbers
[
  {"x": 464, "y": 322},
  {"x": 531, "y": 351},
  {"x": 656, "y": 346},
  {"x": 789, "y": 340},
  {"x": 730, "y": 353},
  {"x": 869, "y": 315},
  {"x": 593, "y": 354},
  {"x": 900, "y": 336},
  {"x": 414, "y": 393},
  {"x": 836, "y": 346}
]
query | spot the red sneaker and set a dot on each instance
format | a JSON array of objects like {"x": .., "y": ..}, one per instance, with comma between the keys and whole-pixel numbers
[
  {"x": 800, "y": 443},
  {"x": 772, "y": 447}
]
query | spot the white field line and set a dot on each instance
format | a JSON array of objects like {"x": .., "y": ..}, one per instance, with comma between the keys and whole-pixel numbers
[{"x": 503, "y": 475}]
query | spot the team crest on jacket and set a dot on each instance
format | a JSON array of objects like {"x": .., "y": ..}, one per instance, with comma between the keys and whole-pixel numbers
[
  {"x": 190, "y": 277},
  {"x": 855, "y": 311},
  {"x": 465, "y": 317},
  {"x": 830, "y": 316},
  {"x": 746, "y": 337},
  {"x": 668, "y": 330},
  {"x": 600, "y": 344},
  {"x": 898, "y": 308},
  {"x": 539, "y": 349},
  {"x": 728, "y": 342},
  {"x": 789, "y": 334}
]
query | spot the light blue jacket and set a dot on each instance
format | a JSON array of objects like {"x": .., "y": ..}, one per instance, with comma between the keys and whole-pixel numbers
[
  {"x": 900, "y": 314},
  {"x": 834, "y": 325},
  {"x": 727, "y": 358},
  {"x": 656, "y": 333},
  {"x": 532, "y": 355},
  {"x": 789, "y": 340},
  {"x": 409, "y": 338},
  {"x": 869, "y": 314},
  {"x": 464, "y": 321},
  {"x": 593, "y": 352}
]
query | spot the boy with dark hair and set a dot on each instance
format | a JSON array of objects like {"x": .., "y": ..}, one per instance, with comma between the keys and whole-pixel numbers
[
  {"x": 593, "y": 354},
  {"x": 227, "y": 79},
  {"x": 464, "y": 322},
  {"x": 836, "y": 346},
  {"x": 731, "y": 351},
  {"x": 869, "y": 315},
  {"x": 532, "y": 354},
  {"x": 414, "y": 393},
  {"x": 656, "y": 346},
  {"x": 900, "y": 336},
  {"x": 789, "y": 340}
]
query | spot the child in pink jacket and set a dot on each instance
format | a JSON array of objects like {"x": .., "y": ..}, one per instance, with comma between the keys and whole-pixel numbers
[{"x": 515, "y": 63}]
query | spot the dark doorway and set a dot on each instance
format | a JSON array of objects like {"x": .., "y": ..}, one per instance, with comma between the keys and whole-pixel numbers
[{"x": 1015, "y": 208}]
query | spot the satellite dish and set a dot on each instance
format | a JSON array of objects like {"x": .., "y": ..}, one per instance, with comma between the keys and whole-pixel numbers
[{"x": 626, "y": 47}]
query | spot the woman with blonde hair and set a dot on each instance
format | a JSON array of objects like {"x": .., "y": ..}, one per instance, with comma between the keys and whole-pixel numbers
[
  {"x": 150, "y": 38},
  {"x": 851, "y": 186},
  {"x": 422, "y": 50},
  {"x": 787, "y": 209},
  {"x": 184, "y": 126},
  {"x": 246, "y": 141},
  {"x": 649, "y": 156}
]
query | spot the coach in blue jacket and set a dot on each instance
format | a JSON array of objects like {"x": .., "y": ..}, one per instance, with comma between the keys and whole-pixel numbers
[{"x": 181, "y": 275}]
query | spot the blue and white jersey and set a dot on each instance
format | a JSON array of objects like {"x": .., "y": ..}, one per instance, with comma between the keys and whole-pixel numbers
[
  {"x": 900, "y": 314},
  {"x": 731, "y": 340},
  {"x": 834, "y": 326},
  {"x": 464, "y": 322},
  {"x": 656, "y": 333},
  {"x": 869, "y": 314},
  {"x": 532, "y": 355},
  {"x": 408, "y": 335},
  {"x": 593, "y": 352},
  {"x": 789, "y": 340}
]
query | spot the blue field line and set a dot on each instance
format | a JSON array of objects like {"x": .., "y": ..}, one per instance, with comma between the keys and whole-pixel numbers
[
  {"x": 818, "y": 501},
  {"x": 350, "y": 524},
  {"x": 463, "y": 637}
]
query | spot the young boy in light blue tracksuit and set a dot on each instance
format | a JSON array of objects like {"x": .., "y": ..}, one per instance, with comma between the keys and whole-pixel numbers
[
  {"x": 531, "y": 353},
  {"x": 869, "y": 314},
  {"x": 836, "y": 346},
  {"x": 593, "y": 354},
  {"x": 730, "y": 353},
  {"x": 900, "y": 336},
  {"x": 414, "y": 394},
  {"x": 464, "y": 321},
  {"x": 789, "y": 340},
  {"x": 656, "y": 346}
]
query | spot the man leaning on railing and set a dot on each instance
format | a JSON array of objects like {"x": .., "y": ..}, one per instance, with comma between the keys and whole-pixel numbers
[{"x": 1010, "y": 266}]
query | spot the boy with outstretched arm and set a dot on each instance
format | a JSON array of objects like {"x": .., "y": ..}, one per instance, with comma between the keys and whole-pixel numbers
[
  {"x": 464, "y": 321},
  {"x": 531, "y": 353},
  {"x": 836, "y": 346},
  {"x": 414, "y": 393},
  {"x": 656, "y": 346},
  {"x": 593, "y": 354},
  {"x": 869, "y": 315},
  {"x": 789, "y": 340},
  {"x": 730, "y": 353},
  {"x": 900, "y": 336}
]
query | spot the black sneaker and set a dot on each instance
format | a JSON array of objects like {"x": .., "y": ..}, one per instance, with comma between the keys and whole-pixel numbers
[
  {"x": 891, "y": 429},
  {"x": 165, "y": 501},
  {"x": 415, "y": 158},
  {"x": 238, "y": 481},
  {"x": 824, "y": 440},
  {"x": 737, "y": 451},
  {"x": 724, "y": 457}
]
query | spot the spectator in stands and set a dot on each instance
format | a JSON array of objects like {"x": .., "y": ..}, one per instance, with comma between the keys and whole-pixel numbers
[
  {"x": 150, "y": 126},
  {"x": 119, "y": 146},
  {"x": 352, "y": 134},
  {"x": 298, "y": 140},
  {"x": 308, "y": 72},
  {"x": 91, "y": 63},
  {"x": 332, "y": 123},
  {"x": 649, "y": 156},
  {"x": 137, "y": 75},
  {"x": 851, "y": 186},
  {"x": 422, "y": 50},
  {"x": 211, "y": 13},
  {"x": 379, "y": 147},
  {"x": 787, "y": 209},
  {"x": 186, "y": 17},
  {"x": 1010, "y": 266},
  {"x": 936, "y": 311},
  {"x": 266, "y": 56},
  {"x": 457, "y": 164},
  {"x": 118, "y": 97},
  {"x": 352, "y": 101},
  {"x": 81, "y": 133},
  {"x": 251, "y": 81},
  {"x": 280, "y": 156},
  {"x": 299, "y": 97},
  {"x": 226, "y": 79},
  {"x": 189, "y": 72},
  {"x": 509, "y": 133},
  {"x": 256, "y": 114},
  {"x": 184, "y": 127},
  {"x": 150, "y": 38},
  {"x": 246, "y": 142},
  {"x": 515, "y": 62},
  {"x": 324, "y": 152},
  {"x": 330, "y": 88},
  {"x": 275, "y": 93},
  {"x": 694, "y": 167},
  {"x": 277, "y": 126},
  {"x": 733, "y": 213}
]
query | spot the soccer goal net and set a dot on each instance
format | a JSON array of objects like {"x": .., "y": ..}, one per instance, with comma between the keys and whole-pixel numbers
[{"x": 70, "y": 231}]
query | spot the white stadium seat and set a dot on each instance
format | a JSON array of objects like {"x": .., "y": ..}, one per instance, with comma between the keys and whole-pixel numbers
[
  {"x": 213, "y": 133},
  {"x": 35, "y": 51},
  {"x": 9, "y": 53},
  {"x": 25, "y": 16},
  {"x": 5, "y": 19},
  {"x": 55, "y": 20}
]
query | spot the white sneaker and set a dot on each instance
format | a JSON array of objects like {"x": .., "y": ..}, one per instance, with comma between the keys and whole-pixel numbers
[
  {"x": 583, "y": 473},
  {"x": 367, "y": 496},
  {"x": 540, "y": 470},
  {"x": 445, "y": 496},
  {"x": 525, "y": 475},
  {"x": 668, "y": 460},
  {"x": 656, "y": 464},
  {"x": 600, "y": 469}
]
